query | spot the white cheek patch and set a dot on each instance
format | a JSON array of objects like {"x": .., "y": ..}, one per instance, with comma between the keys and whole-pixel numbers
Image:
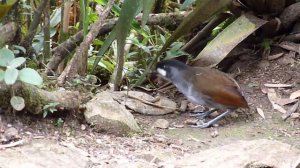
[{"x": 161, "y": 71}]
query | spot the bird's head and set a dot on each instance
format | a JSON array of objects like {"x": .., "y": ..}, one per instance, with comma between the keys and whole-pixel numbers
[{"x": 169, "y": 69}]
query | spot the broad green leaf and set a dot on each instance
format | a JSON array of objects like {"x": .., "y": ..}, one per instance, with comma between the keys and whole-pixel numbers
[
  {"x": 147, "y": 6},
  {"x": 175, "y": 51},
  {"x": 17, "y": 103},
  {"x": 2, "y": 73},
  {"x": 226, "y": 40},
  {"x": 186, "y": 4},
  {"x": 11, "y": 75},
  {"x": 83, "y": 15},
  {"x": 16, "y": 62},
  {"x": 204, "y": 10},
  {"x": 111, "y": 37},
  {"x": 107, "y": 65},
  {"x": 55, "y": 17},
  {"x": 115, "y": 8},
  {"x": 129, "y": 10},
  {"x": 20, "y": 48},
  {"x": 6, "y": 56},
  {"x": 5, "y": 7},
  {"x": 45, "y": 113},
  {"x": 30, "y": 76},
  {"x": 162, "y": 38}
]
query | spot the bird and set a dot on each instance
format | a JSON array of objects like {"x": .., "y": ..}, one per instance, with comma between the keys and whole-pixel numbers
[{"x": 204, "y": 86}]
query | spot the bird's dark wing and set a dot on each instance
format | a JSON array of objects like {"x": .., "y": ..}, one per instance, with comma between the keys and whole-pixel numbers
[{"x": 219, "y": 87}]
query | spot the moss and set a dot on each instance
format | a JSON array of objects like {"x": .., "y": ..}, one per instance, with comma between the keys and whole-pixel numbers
[{"x": 33, "y": 100}]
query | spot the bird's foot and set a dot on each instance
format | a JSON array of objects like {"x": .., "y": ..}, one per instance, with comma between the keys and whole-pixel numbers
[
  {"x": 204, "y": 125},
  {"x": 213, "y": 121},
  {"x": 201, "y": 115}
]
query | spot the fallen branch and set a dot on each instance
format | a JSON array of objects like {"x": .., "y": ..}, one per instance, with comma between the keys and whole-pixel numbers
[
  {"x": 13, "y": 144},
  {"x": 36, "y": 98},
  {"x": 7, "y": 33},
  {"x": 78, "y": 64},
  {"x": 293, "y": 109},
  {"x": 67, "y": 47},
  {"x": 150, "y": 103}
]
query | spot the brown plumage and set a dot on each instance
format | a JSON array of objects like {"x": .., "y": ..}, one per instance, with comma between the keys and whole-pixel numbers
[
  {"x": 220, "y": 87},
  {"x": 204, "y": 86}
]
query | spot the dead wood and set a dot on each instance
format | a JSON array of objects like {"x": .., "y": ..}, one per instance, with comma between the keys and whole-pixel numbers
[
  {"x": 36, "y": 98},
  {"x": 27, "y": 41},
  {"x": 78, "y": 64},
  {"x": 290, "y": 15},
  {"x": 7, "y": 33},
  {"x": 66, "y": 48}
]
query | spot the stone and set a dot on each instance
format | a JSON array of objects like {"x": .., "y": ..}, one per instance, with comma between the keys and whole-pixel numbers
[
  {"x": 191, "y": 121},
  {"x": 285, "y": 60},
  {"x": 108, "y": 115},
  {"x": 268, "y": 153},
  {"x": 161, "y": 123},
  {"x": 11, "y": 134},
  {"x": 136, "y": 102},
  {"x": 264, "y": 64},
  {"x": 43, "y": 153}
]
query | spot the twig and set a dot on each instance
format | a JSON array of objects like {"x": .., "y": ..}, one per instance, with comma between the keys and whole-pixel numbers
[
  {"x": 13, "y": 144},
  {"x": 290, "y": 111},
  {"x": 149, "y": 103}
]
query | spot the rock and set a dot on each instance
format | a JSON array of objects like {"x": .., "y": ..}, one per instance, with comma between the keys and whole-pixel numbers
[
  {"x": 214, "y": 133},
  {"x": 43, "y": 154},
  {"x": 178, "y": 125},
  {"x": 155, "y": 156},
  {"x": 295, "y": 115},
  {"x": 183, "y": 106},
  {"x": 244, "y": 154},
  {"x": 107, "y": 114},
  {"x": 286, "y": 59},
  {"x": 149, "y": 157},
  {"x": 191, "y": 121},
  {"x": 11, "y": 134},
  {"x": 161, "y": 123},
  {"x": 264, "y": 64},
  {"x": 135, "y": 103}
]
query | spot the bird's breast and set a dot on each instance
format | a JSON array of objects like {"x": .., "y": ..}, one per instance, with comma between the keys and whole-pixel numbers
[{"x": 192, "y": 95}]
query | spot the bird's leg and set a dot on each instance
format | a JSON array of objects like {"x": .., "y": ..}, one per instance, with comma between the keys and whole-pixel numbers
[
  {"x": 213, "y": 121},
  {"x": 203, "y": 114}
]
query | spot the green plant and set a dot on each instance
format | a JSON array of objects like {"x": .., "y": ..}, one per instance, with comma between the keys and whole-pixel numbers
[
  {"x": 49, "y": 108},
  {"x": 59, "y": 122},
  {"x": 266, "y": 43},
  {"x": 9, "y": 73}
]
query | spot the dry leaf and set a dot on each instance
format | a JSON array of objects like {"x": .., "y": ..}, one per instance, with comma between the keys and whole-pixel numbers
[
  {"x": 273, "y": 98},
  {"x": 272, "y": 95},
  {"x": 295, "y": 115},
  {"x": 283, "y": 102},
  {"x": 290, "y": 46},
  {"x": 295, "y": 95},
  {"x": 260, "y": 112},
  {"x": 292, "y": 110},
  {"x": 276, "y": 56},
  {"x": 278, "y": 108},
  {"x": 218, "y": 48},
  {"x": 279, "y": 85},
  {"x": 264, "y": 89}
]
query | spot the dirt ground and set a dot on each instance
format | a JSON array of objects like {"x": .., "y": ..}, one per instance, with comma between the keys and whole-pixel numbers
[{"x": 179, "y": 139}]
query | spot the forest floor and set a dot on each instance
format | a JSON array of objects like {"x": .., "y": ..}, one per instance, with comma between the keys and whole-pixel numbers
[{"x": 75, "y": 144}]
